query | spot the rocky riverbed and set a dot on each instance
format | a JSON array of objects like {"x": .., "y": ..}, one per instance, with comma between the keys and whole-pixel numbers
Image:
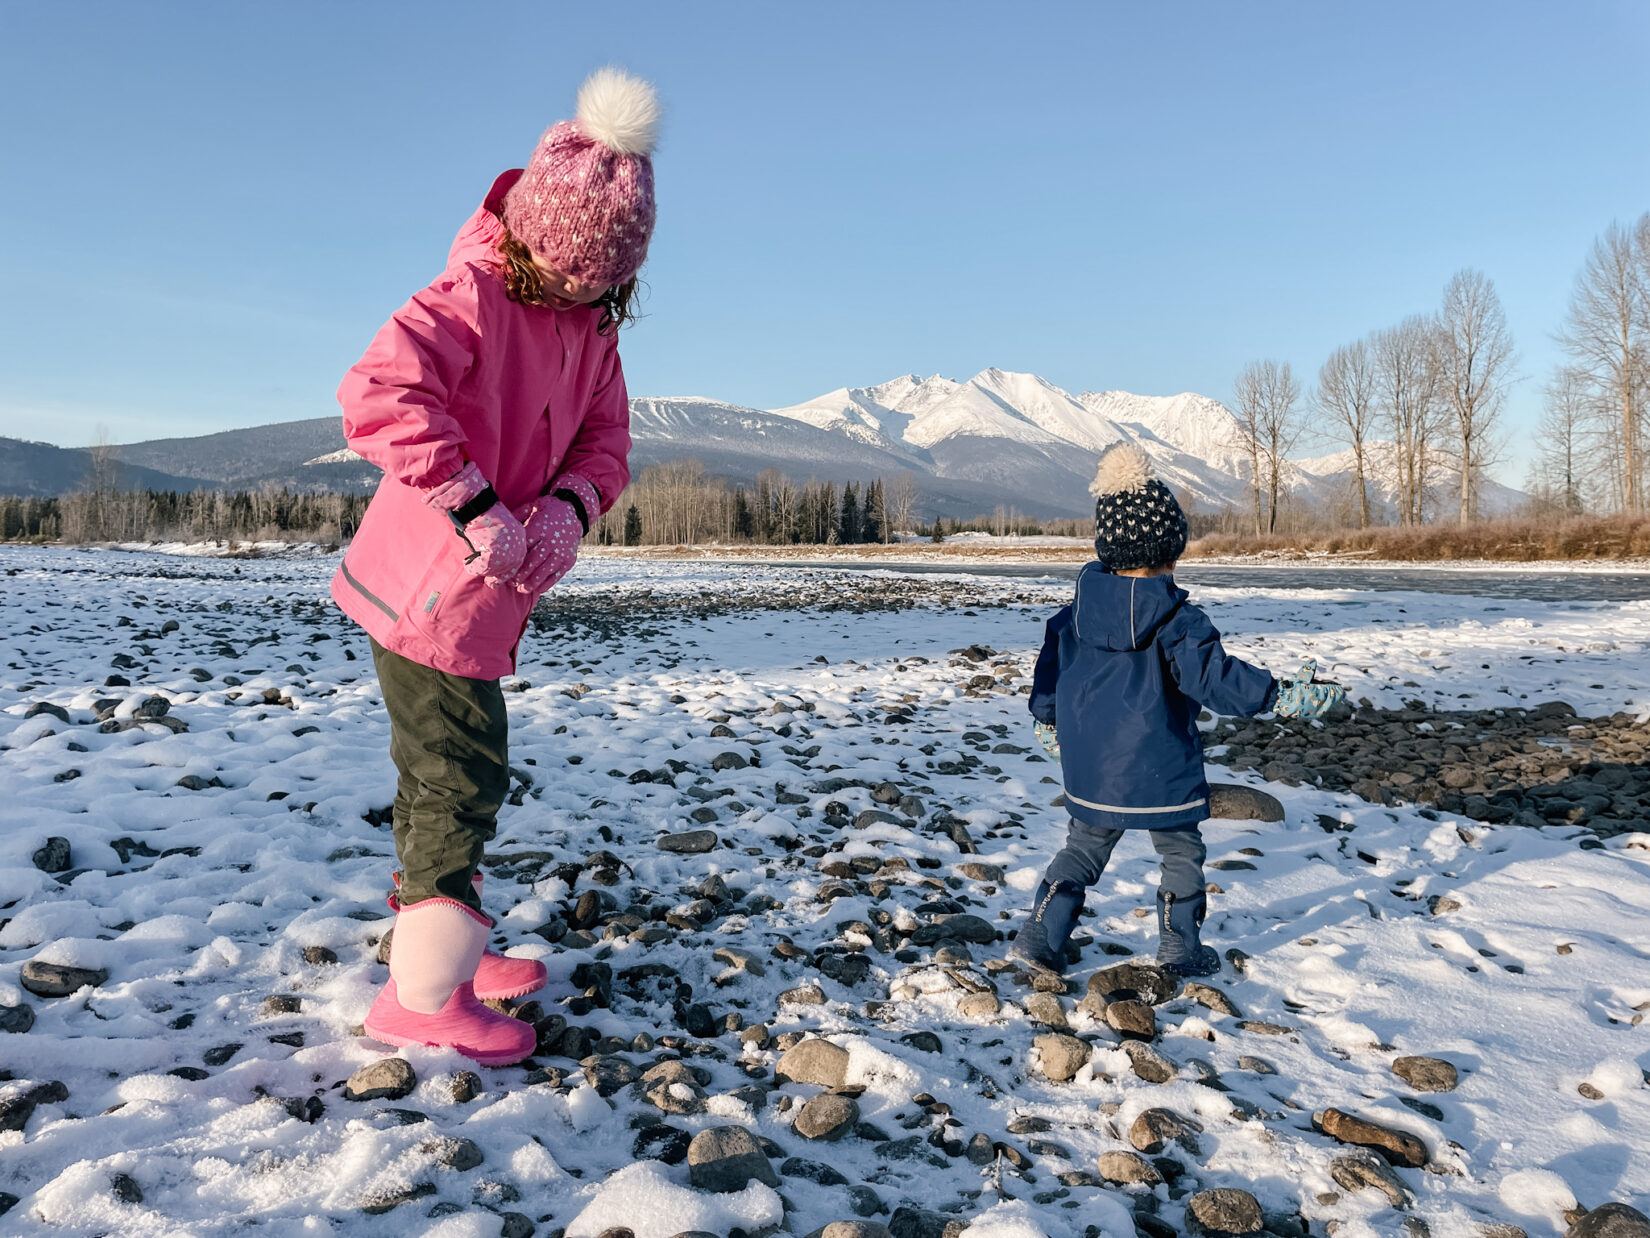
[
  {"x": 1539, "y": 766},
  {"x": 771, "y": 834}
]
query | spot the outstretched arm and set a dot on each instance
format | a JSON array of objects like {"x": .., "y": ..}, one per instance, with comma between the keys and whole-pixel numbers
[{"x": 1209, "y": 675}]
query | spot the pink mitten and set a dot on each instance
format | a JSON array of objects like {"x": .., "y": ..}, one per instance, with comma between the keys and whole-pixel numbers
[
  {"x": 555, "y": 524},
  {"x": 496, "y": 538}
]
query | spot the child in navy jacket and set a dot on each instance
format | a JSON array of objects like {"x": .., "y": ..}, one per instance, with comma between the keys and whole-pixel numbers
[{"x": 1123, "y": 672}]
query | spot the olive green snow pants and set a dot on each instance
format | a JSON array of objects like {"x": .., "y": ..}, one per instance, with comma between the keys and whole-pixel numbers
[{"x": 449, "y": 738}]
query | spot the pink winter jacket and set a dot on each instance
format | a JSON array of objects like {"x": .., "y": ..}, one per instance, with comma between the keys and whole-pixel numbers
[{"x": 462, "y": 372}]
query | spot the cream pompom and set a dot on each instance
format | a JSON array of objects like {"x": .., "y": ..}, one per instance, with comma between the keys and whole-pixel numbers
[
  {"x": 1123, "y": 469},
  {"x": 619, "y": 111}
]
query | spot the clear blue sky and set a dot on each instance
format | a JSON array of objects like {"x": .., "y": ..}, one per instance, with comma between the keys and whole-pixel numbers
[{"x": 207, "y": 209}]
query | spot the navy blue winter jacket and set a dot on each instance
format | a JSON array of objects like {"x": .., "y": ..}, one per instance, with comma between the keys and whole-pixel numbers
[{"x": 1122, "y": 674}]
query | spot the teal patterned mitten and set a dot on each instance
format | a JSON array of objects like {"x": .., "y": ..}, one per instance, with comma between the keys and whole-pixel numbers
[
  {"x": 1305, "y": 697},
  {"x": 1049, "y": 738}
]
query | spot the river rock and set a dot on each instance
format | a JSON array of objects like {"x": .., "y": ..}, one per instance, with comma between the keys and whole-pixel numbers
[
  {"x": 1233, "y": 802},
  {"x": 608, "y": 1073},
  {"x": 1224, "y": 1210},
  {"x": 453, "y": 1152},
  {"x": 1145, "y": 982},
  {"x": 1148, "y": 1063},
  {"x": 1062, "y": 1056},
  {"x": 826, "y": 1117},
  {"x": 1426, "y": 1074},
  {"x": 1045, "y": 1009},
  {"x": 18, "y": 1018},
  {"x": 1211, "y": 998},
  {"x": 963, "y": 927},
  {"x": 59, "y": 980},
  {"x": 1156, "y": 1128},
  {"x": 813, "y": 1061},
  {"x": 978, "y": 1005},
  {"x": 671, "y": 1087},
  {"x": 1362, "y": 1168},
  {"x": 15, "y": 1111},
  {"x": 1396, "y": 1146},
  {"x": 692, "y": 842},
  {"x": 54, "y": 857},
  {"x": 463, "y": 1087},
  {"x": 909, "y": 1222},
  {"x": 661, "y": 1142},
  {"x": 726, "y": 1158},
  {"x": 811, "y": 1171},
  {"x": 389, "y": 1078},
  {"x": 1611, "y": 1221},
  {"x": 1127, "y": 1167},
  {"x": 852, "y": 1229},
  {"x": 1133, "y": 1019},
  {"x": 126, "y": 1189}
]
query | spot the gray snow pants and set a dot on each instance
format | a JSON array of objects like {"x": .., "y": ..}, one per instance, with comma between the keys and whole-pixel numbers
[{"x": 1089, "y": 847}]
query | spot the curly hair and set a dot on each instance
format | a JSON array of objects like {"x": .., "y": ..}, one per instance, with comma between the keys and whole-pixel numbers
[{"x": 522, "y": 284}]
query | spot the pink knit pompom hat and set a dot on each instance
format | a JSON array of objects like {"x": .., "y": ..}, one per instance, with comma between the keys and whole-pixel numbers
[{"x": 585, "y": 202}]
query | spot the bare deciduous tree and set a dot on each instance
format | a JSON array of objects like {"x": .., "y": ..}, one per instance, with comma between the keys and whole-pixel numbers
[
  {"x": 1406, "y": 399},
  {"x": 1475, "y": 360},
  {"x": 1346, "y": 393},
  {"x": 1560, "y": 473},
  {"x": 1267, "y": 398},
  {"x": 901, "y": 499},
  {"x": 1606, "y": 333}
]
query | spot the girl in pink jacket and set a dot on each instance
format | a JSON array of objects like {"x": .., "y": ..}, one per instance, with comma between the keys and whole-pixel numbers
[{"x": 494, "y": 402}]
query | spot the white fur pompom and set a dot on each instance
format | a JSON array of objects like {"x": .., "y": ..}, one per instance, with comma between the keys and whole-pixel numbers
[
  {"x": 1123, "y": 469},
  {"x": 619, "y": 111}
]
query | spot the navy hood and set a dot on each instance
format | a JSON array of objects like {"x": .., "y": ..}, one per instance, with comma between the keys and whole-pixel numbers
[{"x": 1122, "y": 613}]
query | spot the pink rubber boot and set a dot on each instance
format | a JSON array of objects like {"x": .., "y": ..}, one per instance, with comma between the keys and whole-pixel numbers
[
  {"x": 497, "y": 975},
  {"x": 430, "y": 997}
]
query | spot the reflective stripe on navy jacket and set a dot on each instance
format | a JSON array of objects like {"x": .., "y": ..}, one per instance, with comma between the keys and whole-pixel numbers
[{"x": 1123, "y": 673}]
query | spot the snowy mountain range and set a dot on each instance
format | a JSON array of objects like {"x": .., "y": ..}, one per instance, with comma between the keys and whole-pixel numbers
[{"x": 997, "y": 438}]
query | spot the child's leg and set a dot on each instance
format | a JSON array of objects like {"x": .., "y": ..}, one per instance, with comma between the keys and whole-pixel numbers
[
  {"x": 1182, "y": 851},
  {"x": 1182, "y": 903},
  {"x": 1042, "y": 941},
  {"x": 1084, "y": 857},
  {"x": 449, "y": 740}
]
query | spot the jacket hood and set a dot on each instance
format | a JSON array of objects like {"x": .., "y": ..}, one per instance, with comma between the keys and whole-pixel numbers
[
  {"x": 477, "y": 241},
  {"x": 1122, "y": 613}
]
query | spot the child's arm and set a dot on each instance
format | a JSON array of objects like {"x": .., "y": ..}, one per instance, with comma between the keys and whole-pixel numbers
[
  {"x": 1208, "y": 674},
  {"x": 395, "y": 398},
  {"x": 599, "y": 450},
  {"x": 1045, "y": 678}
]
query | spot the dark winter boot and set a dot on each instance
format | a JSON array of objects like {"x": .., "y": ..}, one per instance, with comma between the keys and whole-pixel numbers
[
  {"x": 1178, "y": 947},
  {"x": 1041, "y": 942}
]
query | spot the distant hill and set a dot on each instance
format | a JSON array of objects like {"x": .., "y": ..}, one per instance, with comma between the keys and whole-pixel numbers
[
  {"x": 997, "y": 438},
  {"x": 40, "y": 470},
  {"x": 289, "y": 453}
]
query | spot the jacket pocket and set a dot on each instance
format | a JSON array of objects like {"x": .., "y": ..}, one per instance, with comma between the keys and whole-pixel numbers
[{"x": 464, "y": 614}]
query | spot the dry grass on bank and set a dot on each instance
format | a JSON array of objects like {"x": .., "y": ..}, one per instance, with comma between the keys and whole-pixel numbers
[{"x": 1514, "y": 541}]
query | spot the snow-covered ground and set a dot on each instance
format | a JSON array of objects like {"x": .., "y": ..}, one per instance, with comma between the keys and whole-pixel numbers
[{"x": 1532, "y": 977}]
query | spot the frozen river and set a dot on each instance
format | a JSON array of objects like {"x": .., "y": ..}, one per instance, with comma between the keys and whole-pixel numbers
[{"x": 1539, "y": 586}]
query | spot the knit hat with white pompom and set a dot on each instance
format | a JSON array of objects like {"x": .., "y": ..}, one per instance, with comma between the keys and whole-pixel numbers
[
  {"x": 1137, "y": 522},
  {"x": 585, "y": 202}
]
